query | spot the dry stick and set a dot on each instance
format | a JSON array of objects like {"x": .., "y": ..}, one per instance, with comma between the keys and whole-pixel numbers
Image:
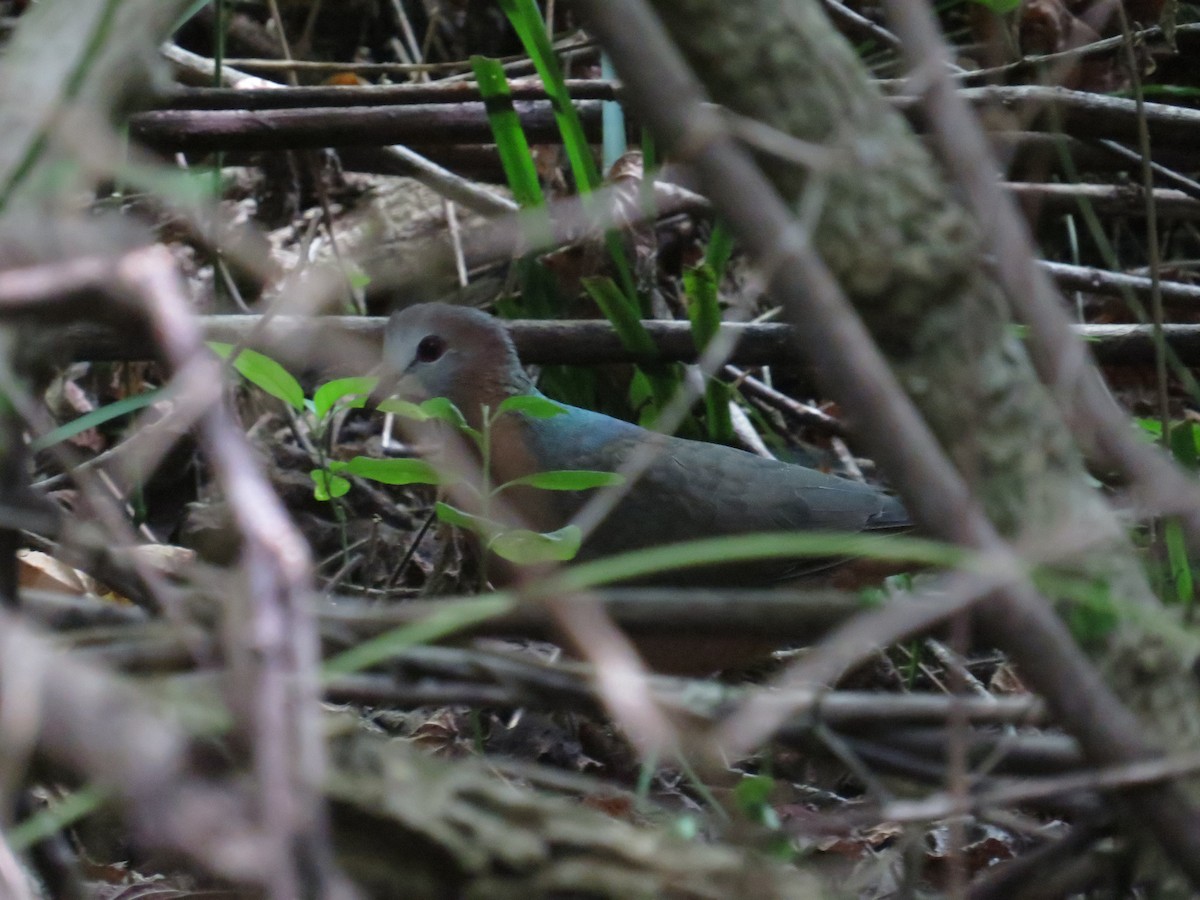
[
  {"x": 786, "y": 615},
  {"x": 996, "y": 752},
  {"x": 803, "y": 413},
  {"x": 374, "y": 95},
  {"x": 669, "y": 99},
  {"x": 99, "y": 726},
  {"x": 192, "y": 67},
  {"x": 764, "y": 617},
  {"x": 567, "y": 48},
  {"x": 438, "y": 179},
  {"x": 1116, "y": 199},
  {"x": 302, "y": 341},
  {"x": 1096, "y": 420},
  {"x": 276, "y": 647},
  {"x": 1114, "y": 284},
  {"x": 1110, "y": 778},
  {"x": 1152, "y": 245},
  {"x": 1083, "y": 114},
  {"x": 1034, "y": 64},
  {"x": 444, "y": 676},
  {"x": 864, "y": 26},
  {"x": 1185, "y": 185},
  {"x": 293, "y": 129}
]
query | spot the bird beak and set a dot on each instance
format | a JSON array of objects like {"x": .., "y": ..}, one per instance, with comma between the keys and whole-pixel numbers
[
  {"x": 394, "y": 384},
  {"x": 385, "y": 387}
]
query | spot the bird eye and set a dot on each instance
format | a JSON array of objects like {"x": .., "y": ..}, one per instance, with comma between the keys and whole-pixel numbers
[{"x": 430, "y": 349}]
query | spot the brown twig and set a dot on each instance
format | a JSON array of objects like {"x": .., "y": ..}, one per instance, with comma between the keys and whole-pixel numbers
[
  {"x": 199, "y": 131},
  {"x": 452, "y": 92},
  {"x": 274, "y": 658},
  {"x": 100, "y": 727}
]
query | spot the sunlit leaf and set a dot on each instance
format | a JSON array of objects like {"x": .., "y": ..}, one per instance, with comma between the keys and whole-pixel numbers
[
  {"x": 704, "y": 311},
  {"x": 326, "y": 485},
  {"x": 264, "y": 373},
  {"x": 1183, "y": 442},
  {"x": 356, "y": 388},
  {"x": 452, "y": 515},
  {"x": 516, "y": 159},
  {"x": 1094, "y": 616},
  {"x": 442, "y": 408},
  {"x": 752, "y": 792},
  {"x": 405, "y": 408},
  {"x": 719, "y": 249},
  {"x": 568, "y": 480},
  {"x": 395, "y": 471},
  {"x": 1150, "y": 427},
  {"x": 1177, "y": 559},
  {"x": 95, "y": 418},
  {"x": 532, "y": 405},
  {"x": 525, "y": 547}
]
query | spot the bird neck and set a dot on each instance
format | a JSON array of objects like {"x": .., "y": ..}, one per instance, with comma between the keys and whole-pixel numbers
[{"x": 490, "y": 390}]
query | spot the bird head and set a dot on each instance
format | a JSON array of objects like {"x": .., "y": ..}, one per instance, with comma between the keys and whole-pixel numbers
[{"x": 438, "y": 350}]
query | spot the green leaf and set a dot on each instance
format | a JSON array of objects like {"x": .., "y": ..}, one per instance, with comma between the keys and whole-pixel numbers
[
  {"x": 720, "y": 248},
  {"x": 532, "y": 405},
  {"x": 752, "y": 794},
  {"x": 442, "y": 408},
  {"x": 663, "y": 379},
  {"x": 437, "y": 408},
  {"x": 185, "y": 188},
  {"x": 328, "y": 394},
  {"x": 1177, "y": 559},
  {"x": 264, "y": 373},
  {"x": 94, "y": 418},
  {"x": 326, "y": 485},
  {"x": 622, "y": 314},
  {"x": 704, "y": 311},
  {"x": 1093, "y": 616},
  {"x": 405, "y": 408},
  {"x": 999, "y": 7},
  {"x": 184, "y": 17},
  {"x": 772, "y": 545},
  {"x": 567, "y": 480},
  {"x": 1152, "y": 427},
  {"x": 395, "y": 471},
  {"x": 528, "y": 23},
  {"x": 1182, "y": 439},
  {"x": 526, "y": 547},
  {"x": 452, "y": 515},
  {"x": 62, "y": 812},
  {"x": 359, "y": 280},
  {"x": 515, "y": 156}
]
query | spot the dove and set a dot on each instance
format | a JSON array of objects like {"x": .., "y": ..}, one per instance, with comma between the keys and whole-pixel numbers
[{"x": 691, "y": 489}]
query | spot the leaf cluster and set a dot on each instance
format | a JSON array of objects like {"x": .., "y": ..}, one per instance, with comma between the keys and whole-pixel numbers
[{"x": 331, "y": 477}]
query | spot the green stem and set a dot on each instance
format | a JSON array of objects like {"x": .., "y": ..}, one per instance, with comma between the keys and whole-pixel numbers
[{"x": 485, "y": 493}]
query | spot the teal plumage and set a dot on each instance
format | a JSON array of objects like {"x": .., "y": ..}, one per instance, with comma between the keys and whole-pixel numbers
[{"x": 691, "y": 490}]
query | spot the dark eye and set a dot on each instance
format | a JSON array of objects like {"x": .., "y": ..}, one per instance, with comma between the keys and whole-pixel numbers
[{"x": 431, "y": 348}]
